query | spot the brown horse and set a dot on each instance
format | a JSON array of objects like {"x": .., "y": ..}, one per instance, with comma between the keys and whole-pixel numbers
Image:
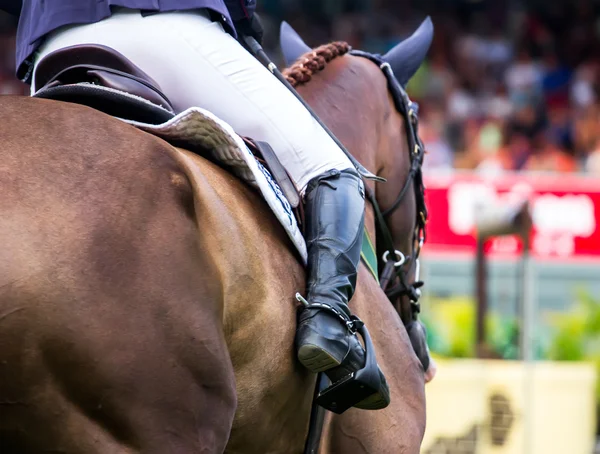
[{"x": 147, "y": 295}]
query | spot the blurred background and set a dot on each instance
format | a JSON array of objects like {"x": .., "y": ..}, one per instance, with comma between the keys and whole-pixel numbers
[{"x": 510, "y": 113}]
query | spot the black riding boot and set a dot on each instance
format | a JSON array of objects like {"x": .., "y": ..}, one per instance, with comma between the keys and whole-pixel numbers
[{"x": 335, "y": 221}]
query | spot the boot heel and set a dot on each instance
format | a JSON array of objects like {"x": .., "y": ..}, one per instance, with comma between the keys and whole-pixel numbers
[{"x": 315, "y": 359}]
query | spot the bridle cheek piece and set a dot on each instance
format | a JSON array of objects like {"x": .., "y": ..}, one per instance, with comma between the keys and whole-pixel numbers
[{"x": 394, "y": 275}]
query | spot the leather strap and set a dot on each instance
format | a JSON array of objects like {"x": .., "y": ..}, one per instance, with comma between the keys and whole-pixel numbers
[{"x": 278, "y": 171}]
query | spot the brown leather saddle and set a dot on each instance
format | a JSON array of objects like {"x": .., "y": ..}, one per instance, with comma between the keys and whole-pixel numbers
[{"x": 100, "y": 77}]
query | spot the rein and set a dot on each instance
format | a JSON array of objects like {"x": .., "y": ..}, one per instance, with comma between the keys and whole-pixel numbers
[{"x": 393, "y": 259}]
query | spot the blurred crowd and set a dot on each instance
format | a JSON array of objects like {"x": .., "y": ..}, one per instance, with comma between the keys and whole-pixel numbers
[
  {"x": 523, "y": 95},
  {"x": 508, "y": 84}
]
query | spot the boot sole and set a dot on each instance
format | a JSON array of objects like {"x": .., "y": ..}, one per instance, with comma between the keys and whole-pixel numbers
[{"x": 316, "y": 359}]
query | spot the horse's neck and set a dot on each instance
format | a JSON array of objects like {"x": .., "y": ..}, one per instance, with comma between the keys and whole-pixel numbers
[
  {"x": 354, "y": 116},
  {"x": 358, "y": 128}
]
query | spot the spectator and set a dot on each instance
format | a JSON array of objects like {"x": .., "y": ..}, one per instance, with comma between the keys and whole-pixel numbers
[
  {"x": 439, "y": 152},
  {"x": 524, "y": 76}
]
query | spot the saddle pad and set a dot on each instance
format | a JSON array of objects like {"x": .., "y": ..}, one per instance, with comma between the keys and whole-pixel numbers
[{"x": 202, "y": 132}]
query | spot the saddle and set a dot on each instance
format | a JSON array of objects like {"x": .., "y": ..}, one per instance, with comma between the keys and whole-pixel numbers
[{"x": 101, "y": 78}]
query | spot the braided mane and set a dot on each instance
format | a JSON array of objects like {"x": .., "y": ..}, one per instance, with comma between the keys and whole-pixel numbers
[{"x": 313, "y": 62}]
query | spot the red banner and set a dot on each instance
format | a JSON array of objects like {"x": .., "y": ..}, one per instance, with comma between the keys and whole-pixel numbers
[{"x": 565, "y": 211}]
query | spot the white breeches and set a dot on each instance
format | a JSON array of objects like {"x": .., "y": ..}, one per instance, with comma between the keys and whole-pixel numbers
[{"x": 196, "y": 63}]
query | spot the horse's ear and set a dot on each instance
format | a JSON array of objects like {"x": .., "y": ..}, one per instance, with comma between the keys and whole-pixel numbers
[
  {"x": 406, "y": 58},
  {"x": 292, "y": 45}
]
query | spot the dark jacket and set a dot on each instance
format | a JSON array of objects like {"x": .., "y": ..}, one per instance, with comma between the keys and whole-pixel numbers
[{"x": 38, "y": 18}]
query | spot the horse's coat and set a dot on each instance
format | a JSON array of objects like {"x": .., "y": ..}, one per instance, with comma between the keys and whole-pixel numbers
[{"x": 147, "y": 296}]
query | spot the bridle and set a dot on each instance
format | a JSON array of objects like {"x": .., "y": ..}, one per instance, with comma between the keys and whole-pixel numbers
[{"x": 394, "y": 261}]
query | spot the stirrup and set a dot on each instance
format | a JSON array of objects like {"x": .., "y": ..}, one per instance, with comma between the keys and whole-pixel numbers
[{"x": 357, "y": 386}]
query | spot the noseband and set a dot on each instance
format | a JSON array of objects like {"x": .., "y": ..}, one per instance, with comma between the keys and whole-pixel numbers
[{"x": 394, "y": 268}]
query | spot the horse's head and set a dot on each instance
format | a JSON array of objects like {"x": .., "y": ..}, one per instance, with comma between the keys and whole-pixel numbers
[{"x": 361, "y": 98}]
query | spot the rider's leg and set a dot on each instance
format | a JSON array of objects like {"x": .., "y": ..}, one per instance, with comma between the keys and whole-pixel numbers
[{"x": 197, "y": 64}]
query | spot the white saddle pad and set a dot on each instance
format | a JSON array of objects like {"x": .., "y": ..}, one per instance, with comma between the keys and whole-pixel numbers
[{"x": 199, "y": 130}]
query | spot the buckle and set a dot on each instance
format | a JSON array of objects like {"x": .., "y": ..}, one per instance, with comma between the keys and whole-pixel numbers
[
  {"x": 412, "y": 115},
  {"x": 416, "y": 307},
  {"x": 354, "y": 324}
]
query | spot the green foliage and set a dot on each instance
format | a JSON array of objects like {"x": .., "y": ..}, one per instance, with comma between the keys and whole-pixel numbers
[
  {"x": 568, "y": 343},
  {"x": 451, "y": 329},
  {"x": 573, "y": 335},
  {"x": 503, "y": 336},
  {"x": 576, "y": 333}
]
